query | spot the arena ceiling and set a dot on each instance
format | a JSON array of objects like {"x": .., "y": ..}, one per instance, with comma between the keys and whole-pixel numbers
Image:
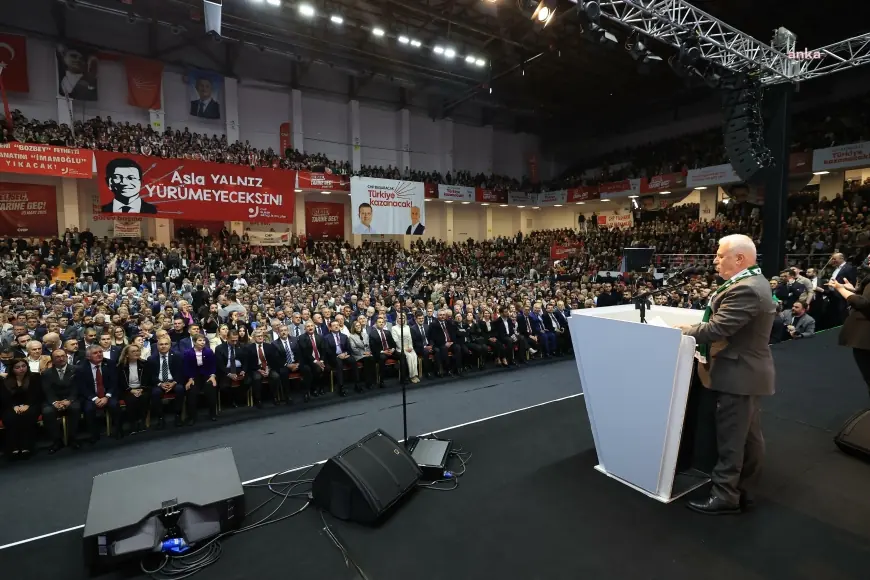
[{"x": 556, "y": 75}]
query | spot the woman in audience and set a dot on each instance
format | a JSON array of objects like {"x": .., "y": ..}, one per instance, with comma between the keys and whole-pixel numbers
[
  {"x": 134, "y": 385},
  {"x": 119, "y": 337},
  {"x": 243, "y": 334},
  {"x": 220, "y": 338},
  {"x": 20, "y": 396},
  {"x": 359, "y": 350},
  {"x": 402, "y": 332},
  {"x": 199, "y": 369}
]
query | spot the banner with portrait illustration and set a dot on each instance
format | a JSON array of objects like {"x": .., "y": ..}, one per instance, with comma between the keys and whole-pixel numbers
[
  {"x": 28, "y": 210},
  {"x": 77, "y": 72},
  {"x": 192, "y": 190},
  {"x": 324, "y": 220},
  {"x": 205, "y": 90},
  {"x": 387, "y": 206}
]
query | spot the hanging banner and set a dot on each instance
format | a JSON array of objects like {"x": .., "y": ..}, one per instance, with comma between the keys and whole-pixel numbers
[
  {"x": 576, "y": 194},
  {"x": 562, "y": 252},
  {"x": 268, "y": 238},
  {"x": 13, "y": 55},
  {"x": 77, "y": 72},
  {"x": 800, "y": 162},
  {"x": 144, "y": 82},
  {"x": 490, "y": 195},
  {"x": 33, "y": 159},
  {"x": 619, "y": 188},
  {"x": 520, "y": 198},
  {"x": 551, "y": 198},
  {"x": 322, "y": 181},
  {"x": 28, "y": 210},
  {"x": 128, "y": 228},
  {"x": 713, "y": 175},
  {"x": 431, "y": 190},
  {"x": 665, "y": 182},
  {"x": 387, "y": 206},
  {"x": 707, "y": 205},
  {"x": 842, "y": 157},
  {"x": 285, "y": 137},
  {"x": 533, "y": 168},
  {"x": 616, "y": 221},
  {"x": 324, "y": 220},
  {"x": 456, "y": 192},
  {"x": 194, "y": 190}
]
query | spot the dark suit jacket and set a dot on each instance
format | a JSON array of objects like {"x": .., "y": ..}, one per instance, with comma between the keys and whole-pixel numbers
[
  {"x": 222, "y": 354},
  {"x": 436, "y": 334},
  {"x": 145, "y": 207},
  {"x": 856, "y": 328},
  {"x": 282, "y": 353},
  {"x": 418, "y": 231},
  {"x": 146, "y": 378},
  {"x": 176, "y": 367},
  {"x": 306, "y": 351},
  {"x": 31, "y": 396},
  {"x": 57, "y": 389},
  {"x": 376, "y": 345},
  {"x": 417, "y": 334},
  {"x": 212, "y": 111},
  {"x": 500, "y": 331},
  {"x": 87, "y": 386},
  {"x": 331, "y": 346},
  {"x": 273, "y": 360}
]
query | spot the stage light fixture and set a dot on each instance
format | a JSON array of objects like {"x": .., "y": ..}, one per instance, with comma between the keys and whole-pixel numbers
[
  {"x": 521, "y": 206},
  {"x": 404, "y": 39},
  {"x": 438, "y": 50},
  {"x": 416, "y": 43},
  {"x": 274, "y": 2},
  {"x": 484, "y": 204},
  {"x": 465, "y": 202},
  {"x": 664, "y": 192},
  {"x": 480, "y": 62},
  {"x": 336, "y": 19},
  {"x": 580, "y": 203},
  {"x": 449, "y": 53},
  {"x": 502, "y": 205},
  {"x": 545, "y": 11},
  {"x": 821, "y": 172},
  {"x": 592, "y": 10},
  {"x": 378, "y": 32},
  {"x": 306, "y": 10},
  {"x": 469, "y": 59}
]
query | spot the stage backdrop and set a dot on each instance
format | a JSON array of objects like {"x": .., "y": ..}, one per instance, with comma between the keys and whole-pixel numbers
[
  {"x": 386, "y": 206},
  {"x": 324, "y": 219},
  {"x": 193, "y": 190},
  {"x": 28, "y": 210}
]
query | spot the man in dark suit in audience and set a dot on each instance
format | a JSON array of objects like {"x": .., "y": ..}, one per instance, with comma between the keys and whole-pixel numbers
[
  {"x": 339, "y": 355},
  {"x": 382, "y": 345},
  {"x": 506, "y": 333},
  {"x": 312, "y": 350},
  {"x": 74, "y": 356},
  {"x": 837, "y": 309},
  {"x": 552, "y": 324},
  {"x": 231, "y": 362},
  {"x": 168, "y": 369},
  {"x": 443, "y": 339},
  {"x": 61, "y": 399},
  {"x": 263, "y": 365},
  {"x": 288, "y": 352},
  {"x": 96, "y": 383},
  {"x": 186, "y": 343},
  {"x": 422, "y": 344}
]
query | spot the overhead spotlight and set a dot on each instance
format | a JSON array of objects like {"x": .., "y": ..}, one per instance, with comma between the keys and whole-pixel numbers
[
  {"x": 438, "y": 50},
  {"x": 336, "y": 19},
  {"x": 404, "y": 40},
  {"x": 469, "y": 59},
  {"x": 480, "y": 62},
  {"x": 378, "y": 31},
  {"x": 821, "y": 172},
  {"x": 592, "y": 10},
  {"x": 545, "y": 11},
  {"x": 642, "y": 54},
  {"x": 449, "y": 53},
  {"x": 273, "y": 2},
  {"x": 416, "y": 43},
  {"x": 306, "y": 10}
]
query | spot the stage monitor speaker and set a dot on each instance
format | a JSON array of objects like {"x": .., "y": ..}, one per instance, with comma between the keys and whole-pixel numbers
[
  {"x": 133, "y": 511},
  {"x": 363, "y": 482},
  {"x": 854, "y": 435}
]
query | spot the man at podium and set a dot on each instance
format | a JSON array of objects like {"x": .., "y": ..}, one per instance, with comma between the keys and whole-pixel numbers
[{"x": 736, "y": 364}]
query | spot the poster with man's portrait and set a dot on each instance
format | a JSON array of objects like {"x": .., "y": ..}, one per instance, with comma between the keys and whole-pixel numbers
[
  {"x": 77, "y": 69},
  {"x": 205, "y": 91}
]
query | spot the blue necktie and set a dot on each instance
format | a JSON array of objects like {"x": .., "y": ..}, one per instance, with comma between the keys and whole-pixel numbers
[{"x": 289, "y": 352}]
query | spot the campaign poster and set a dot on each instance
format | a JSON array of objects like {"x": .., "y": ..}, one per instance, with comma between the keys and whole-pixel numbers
[{"x": 387, "y": 206}]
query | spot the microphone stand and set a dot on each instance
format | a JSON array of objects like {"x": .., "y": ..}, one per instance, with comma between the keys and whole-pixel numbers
[
  {"x": 407, "y": 286},
  {"x": 641, "y": 301}
]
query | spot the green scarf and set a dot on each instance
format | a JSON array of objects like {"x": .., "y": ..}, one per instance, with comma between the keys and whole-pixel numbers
[{"x": 703, "y": 349}]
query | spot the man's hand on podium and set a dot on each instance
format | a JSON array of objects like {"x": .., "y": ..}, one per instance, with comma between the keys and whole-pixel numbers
[{"x": 683, "y": 327}]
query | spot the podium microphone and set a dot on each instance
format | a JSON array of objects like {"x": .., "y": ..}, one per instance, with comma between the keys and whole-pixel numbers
[{"x": 693, "y": 271}]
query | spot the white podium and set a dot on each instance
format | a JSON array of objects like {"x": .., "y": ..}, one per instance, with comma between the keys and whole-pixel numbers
[{"x": 636, "y": 380}]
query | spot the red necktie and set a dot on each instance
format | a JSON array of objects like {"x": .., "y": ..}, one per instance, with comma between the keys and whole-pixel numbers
[
  {"x": 383, "y": 339},
  {"x": 314, "y": 346},
  {"x": 444, "y": 328},
  {"x": 261, "y": 356},
  {"x": 101, "y": 390}
]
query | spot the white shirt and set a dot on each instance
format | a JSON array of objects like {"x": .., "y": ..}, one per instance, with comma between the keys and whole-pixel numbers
[
  {"x": 836, "y": 272},
  {"x": 135, "y": 206},
  {"x": 107, "y": 354},
  {"x": 33, "y": 364},
  {"x": 362, "y": 229},
  {"x": 134, "y": 381},
  {"x": 198, "y": 354}
]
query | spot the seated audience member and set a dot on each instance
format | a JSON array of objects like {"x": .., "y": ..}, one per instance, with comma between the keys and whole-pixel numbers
[
  {"x": 312, "y": 350},
  {"x": 231, "y": 362},
  {"x": 36, "y": 361},
  {"x": 97, "y": 385},
  {"x": 339, "y": 354},
  {"x": 382, "y": 343},
  {"x": 263, "y": 365},
  {"x": 798, "y": 323},
  {"x": 20, "y": 395},
  {"x": 443, "y": 339},
  {"x": 134, "y": 386},
  {"x": 363, "y": 361},
  {"x": 402, "y": 338},
  {"x": 288, "y": 353},
  {"x": 200, "y": 377},
  {"x": 167, "y": 368},
  {"x": 61, "y": 400}
]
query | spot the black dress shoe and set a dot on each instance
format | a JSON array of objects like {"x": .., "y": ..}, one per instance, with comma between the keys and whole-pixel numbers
[
  {"x": 53, "y": 449},
  {"x": 713, "y": 506},
  {"x": 306, "y": 397},
  {"x": 747, "y": 502},
  {"x": 381, "y": 385}
]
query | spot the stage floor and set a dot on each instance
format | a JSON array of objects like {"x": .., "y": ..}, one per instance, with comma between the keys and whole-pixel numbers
[{"x": 531, "y": 506}]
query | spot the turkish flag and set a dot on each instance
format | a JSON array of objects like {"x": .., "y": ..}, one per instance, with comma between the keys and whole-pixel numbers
[
  {"x": 144, "y": 81},
  {"x": 13, "y": 61}
]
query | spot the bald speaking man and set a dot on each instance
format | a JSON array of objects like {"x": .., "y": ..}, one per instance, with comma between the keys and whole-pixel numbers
[{"x": 736, "y": 364}]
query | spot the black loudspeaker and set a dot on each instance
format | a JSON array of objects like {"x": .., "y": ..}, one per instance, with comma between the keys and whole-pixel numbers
[
  {"x": 365, "y": 480},
  {"x": 743, "y": 130},
  {"x": 854, "y": 435}
]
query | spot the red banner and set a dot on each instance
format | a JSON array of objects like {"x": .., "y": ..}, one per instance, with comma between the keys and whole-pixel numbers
[
  {"x": 800, "y": 162},
  {"x": 533, "y": 168},
  {"x": 193, "y": 190},
  {"x": 562, "y": 252},
  {"x": 286, "y": 139},
  {"x": 431, "y": 190},
  {"x": 576, "y": 194},
  {"x": 665, "y": 182},
  {"x": 490, "y": 195},
  {"x": 144, "y": 82},
  {"x": 28, "y": 210},
  {"x": 324, "y": 219},
  {"x": 13, "y": 55},
  {"x": 35, "y": 159},
  {"x": 322, "y": 181}
]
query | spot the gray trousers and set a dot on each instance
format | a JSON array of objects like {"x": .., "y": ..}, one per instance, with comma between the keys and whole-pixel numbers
[{"x": 740, "y": 445}]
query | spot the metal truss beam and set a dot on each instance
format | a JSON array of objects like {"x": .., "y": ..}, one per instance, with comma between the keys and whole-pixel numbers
[{"x": 674, "y": 22}]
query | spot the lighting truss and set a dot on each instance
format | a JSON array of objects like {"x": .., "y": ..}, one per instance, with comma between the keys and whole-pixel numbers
[{"x": 676, "y": 23}]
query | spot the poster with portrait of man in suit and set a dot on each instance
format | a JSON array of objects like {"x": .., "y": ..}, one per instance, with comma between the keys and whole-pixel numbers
[
  {"x": 205, "y": 91},
  {"x": 77, "y": 72}
]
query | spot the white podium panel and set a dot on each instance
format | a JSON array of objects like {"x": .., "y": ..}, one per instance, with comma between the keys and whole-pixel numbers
[{"x": 636, "y": 380}]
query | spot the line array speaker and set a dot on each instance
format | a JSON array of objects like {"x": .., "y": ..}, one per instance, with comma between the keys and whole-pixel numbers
[{"x": 743, "y": 129}]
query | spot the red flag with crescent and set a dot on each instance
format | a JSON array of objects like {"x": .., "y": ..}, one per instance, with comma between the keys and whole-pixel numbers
[{"x": 13, "y": 61}]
